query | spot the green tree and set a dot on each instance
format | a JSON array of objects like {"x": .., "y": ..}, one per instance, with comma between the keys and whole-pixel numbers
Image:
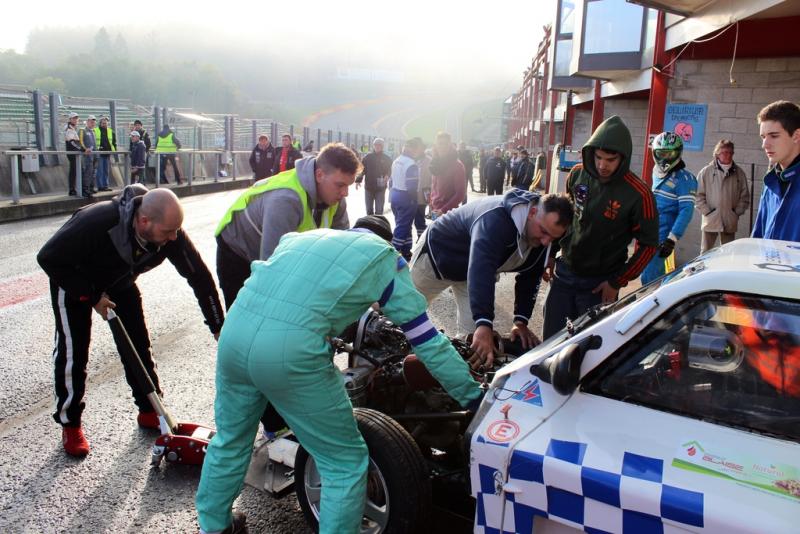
[{"x": 102, "y": 45}]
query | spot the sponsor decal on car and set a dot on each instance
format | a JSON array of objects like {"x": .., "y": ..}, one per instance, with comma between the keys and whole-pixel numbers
[
  {"x": 530, "y": 393},
  {"x": 775, "y": 478}
]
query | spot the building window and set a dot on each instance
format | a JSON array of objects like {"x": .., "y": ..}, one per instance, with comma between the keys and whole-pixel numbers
[
  {"x": 563, "y": 57},
  {"x": 567, "y": 17},
  {"x": 612, "y": 26}
]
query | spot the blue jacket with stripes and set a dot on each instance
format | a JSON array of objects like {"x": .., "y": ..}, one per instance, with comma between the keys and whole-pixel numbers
[
  {"x": 675, "y": 195},
  {"x": 473, "y": 242}
]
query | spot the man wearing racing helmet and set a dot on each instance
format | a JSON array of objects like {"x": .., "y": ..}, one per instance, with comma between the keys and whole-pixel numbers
[{"x": 675, "y": 189}]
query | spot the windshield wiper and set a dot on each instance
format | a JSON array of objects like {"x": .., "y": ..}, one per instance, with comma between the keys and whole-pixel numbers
[{"x": 592, "y": 314}]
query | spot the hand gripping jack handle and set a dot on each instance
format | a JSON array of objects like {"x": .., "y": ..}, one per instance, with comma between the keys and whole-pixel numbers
[{"x": 184, "y": 443}]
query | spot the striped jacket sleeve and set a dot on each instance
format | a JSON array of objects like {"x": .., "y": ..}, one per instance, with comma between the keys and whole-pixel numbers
[
  {"x": 644, "y": 228},
  {"x": 404, "y": 305}
]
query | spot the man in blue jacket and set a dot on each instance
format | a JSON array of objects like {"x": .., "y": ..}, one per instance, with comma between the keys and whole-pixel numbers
[
  {"x": 675, "y": 190},
  {"x": 468, "y": 247},
  {"x": 779, "y": 125}
]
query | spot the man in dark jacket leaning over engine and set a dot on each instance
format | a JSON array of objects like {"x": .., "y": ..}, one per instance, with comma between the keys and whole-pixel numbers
[{"x": 468, "y": 247}]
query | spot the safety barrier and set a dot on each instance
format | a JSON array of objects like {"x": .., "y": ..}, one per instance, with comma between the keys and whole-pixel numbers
[{"x": 223, "y": 158}]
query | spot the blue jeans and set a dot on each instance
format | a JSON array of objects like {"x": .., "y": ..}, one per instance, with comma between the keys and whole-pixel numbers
[
  {"x": 404, "y": 208},
  {"x": 569, "y": 297},
  {"x": 102, "y": 171}
]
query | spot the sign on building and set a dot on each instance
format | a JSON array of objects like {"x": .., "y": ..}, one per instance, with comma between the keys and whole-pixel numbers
[{"x": 689, "y": 122}]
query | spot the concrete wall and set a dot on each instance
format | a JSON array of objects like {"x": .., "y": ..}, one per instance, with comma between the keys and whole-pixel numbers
[{"x": 732, "y": 110}]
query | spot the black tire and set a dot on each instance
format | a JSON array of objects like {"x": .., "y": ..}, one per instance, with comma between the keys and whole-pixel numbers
[{"x": 402, "y": 470}]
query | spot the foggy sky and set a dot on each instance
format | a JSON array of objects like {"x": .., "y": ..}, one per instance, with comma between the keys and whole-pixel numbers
[{"x": 479, "y": 46}]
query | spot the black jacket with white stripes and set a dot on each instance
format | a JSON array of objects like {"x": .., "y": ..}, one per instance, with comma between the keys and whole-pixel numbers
[{"x": 96, "y": 251}]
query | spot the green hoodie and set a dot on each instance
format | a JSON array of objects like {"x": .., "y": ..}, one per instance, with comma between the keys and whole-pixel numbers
[{"x": 609, "y": 215}]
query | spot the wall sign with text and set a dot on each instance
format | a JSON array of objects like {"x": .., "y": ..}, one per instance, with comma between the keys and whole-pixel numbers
[{"x": 688, "y": 121}]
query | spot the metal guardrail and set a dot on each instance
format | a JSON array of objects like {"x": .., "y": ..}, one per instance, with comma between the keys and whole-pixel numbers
[{"x": 228, "y": 156}]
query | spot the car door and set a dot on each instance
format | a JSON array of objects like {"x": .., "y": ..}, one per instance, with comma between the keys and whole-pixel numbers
[{"x": 691, "y": 425}]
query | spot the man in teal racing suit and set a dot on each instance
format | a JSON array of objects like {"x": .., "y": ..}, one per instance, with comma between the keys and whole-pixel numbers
[{"x": 274, "y": 347}]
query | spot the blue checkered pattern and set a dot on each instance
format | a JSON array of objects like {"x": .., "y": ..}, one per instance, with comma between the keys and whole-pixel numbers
[{"x": 558, "y": 486}]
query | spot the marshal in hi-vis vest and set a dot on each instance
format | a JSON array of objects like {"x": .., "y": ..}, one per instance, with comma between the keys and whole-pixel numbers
[{"x": 285, "y": 180}]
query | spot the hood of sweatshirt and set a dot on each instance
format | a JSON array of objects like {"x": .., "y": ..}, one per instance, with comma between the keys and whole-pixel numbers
[{"x": 612, "y": 134}]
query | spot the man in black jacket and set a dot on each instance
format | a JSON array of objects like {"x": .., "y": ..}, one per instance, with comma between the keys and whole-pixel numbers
[
  {"x": 93, "y": 262},
  {"x": 377, "y": 169},
  {"x": 262, "y": 158},
  {"x": 145, "y": 138},
  {"x": 468, "y": 247},
  {"x": 522, "y": 177},
  {"x": 495, "y": 172},
  {"x": 286, "y": 155}
]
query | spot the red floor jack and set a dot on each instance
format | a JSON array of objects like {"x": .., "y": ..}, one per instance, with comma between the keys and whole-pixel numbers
[{"x": 183, "y": 443}]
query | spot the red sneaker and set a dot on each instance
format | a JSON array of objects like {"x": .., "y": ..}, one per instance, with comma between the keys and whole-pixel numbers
[
  {"x": 148, "y": 420},
  {"x": 74, "y": 441}
]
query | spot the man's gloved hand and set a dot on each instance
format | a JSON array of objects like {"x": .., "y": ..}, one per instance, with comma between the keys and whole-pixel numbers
[{"x": 666, "y": 248}]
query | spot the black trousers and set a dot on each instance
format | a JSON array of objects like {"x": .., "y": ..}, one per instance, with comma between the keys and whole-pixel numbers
[
  {"x": 232, "y": 271},
  {"x": 72, "y": 171},
  {"x": 73, "y": 334},
  {"x": 494, "y": 186},
  {"x": 168, "y": 157}
]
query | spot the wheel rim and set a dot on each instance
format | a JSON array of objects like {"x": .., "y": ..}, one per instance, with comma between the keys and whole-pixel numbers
[{"x": 376, "y": 507}]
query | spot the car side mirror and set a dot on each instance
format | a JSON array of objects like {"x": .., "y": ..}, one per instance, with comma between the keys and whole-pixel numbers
[{"x": 563, "y": 370}]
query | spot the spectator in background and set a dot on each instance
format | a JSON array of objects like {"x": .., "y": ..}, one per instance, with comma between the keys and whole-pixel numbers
[
  {"x": 465, "y": 157},
  {"x": 539, "y": 172},
  {"x": 482, "y": 159},
  {"x": 495, "y": 173},
  {"x": 309, "y": 147},
  {"x": 423, "y": 191},
  {"x": 779, "y": 127},
  {"x": 523, "y": 174},
  {"x": 167, "y": 145},
  {"x": 405, "y": 184},
  {"x": 88, "y": 141},
  {"x": 262, "y": 158},
  {"x": 106, "y": 142},
  {"x": 722, "y": 196},
  {"x": 287, "y": 155},
  {"x": 138, "y": 158},
  {"x": 512, "y": 165},
  {"x": 377, "y": 169},
  {"x": 145, "y": 138},
  {"x": 296, "y": 144},
  {"x": 72, "y": 141},
  {"x": 448, "y": 181}
]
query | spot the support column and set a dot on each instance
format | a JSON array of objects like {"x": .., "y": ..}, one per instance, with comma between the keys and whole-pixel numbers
[
  {"x": 255, "y": 132},
  {"x": 569, "y": 119},
  {"x": 658, "y": 98},
  {"x": 598, "y": 106},
  {"x": 38, "y": 123},
  {"x": 54, "y": 99}
]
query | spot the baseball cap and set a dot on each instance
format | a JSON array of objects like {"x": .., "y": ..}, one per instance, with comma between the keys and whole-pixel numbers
[
  {"x": 91, "y": 118},
  {"x": 73, "y": 115},
  {"x": 135, "y": 132}
]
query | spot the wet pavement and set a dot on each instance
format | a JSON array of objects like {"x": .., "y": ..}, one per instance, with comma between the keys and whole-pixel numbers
[{"x": 115, "y": 489}]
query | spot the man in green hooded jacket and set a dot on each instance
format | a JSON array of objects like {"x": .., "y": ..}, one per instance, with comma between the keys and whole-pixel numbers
[{"x": 612, "y": 207}]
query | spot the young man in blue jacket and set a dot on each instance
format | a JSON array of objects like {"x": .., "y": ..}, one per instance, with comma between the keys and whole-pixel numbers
[
  {"x": 468, "y": 247},
  {"x": 779, "y": 125}
]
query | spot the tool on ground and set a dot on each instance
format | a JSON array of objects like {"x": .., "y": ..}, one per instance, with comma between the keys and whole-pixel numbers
[{"x": 183, "y": 443}]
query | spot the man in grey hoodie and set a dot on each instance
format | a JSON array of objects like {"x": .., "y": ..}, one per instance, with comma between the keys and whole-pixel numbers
[{"x": 307, "y": 197}]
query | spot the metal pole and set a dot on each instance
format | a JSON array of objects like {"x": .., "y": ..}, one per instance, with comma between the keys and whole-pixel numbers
[
  {"x": 38, "y": 123},
  {"x": 112, "y": 109},
  {"x": 255, "y": 132},
  {"x": 79, "y": 173},
  {"x": 752, "y": 193},
  {"x": 273, "y": 132},
  {"x": 15, "y": 179},
  {"x": 200, "y": 147},
  {"x": 157, "y": 121},
  {"x": 291, "y": 132},
  {"x": 158, "y": 170},
  {"x": 306, "y": 135},
  {"x": 330, "y": 136},
  {"x": 126, "y": 171},
  {"x": 319, "y": 138},
  {"x": 165, "y": 115},
  {"x": 54, "y": 125}
]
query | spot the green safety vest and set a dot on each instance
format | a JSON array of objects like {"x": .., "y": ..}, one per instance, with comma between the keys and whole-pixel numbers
[
  {"x": 111, "y": 140},
  {"x": 285, "y": 180},
  {"x": 166, "y": 144}
]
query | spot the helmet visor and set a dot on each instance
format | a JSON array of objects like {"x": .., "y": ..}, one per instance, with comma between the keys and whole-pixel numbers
[{"x": 666, "y": 154}]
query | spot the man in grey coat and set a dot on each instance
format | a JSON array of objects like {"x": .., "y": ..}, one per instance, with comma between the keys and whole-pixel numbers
[{"x": 722, "y": 196}]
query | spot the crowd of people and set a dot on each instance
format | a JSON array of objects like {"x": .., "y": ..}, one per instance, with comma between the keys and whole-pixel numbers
[{"x": 293, "y": 273}]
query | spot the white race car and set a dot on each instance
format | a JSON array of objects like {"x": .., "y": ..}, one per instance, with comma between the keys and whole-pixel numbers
[{"x": 675, "y": 409}]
